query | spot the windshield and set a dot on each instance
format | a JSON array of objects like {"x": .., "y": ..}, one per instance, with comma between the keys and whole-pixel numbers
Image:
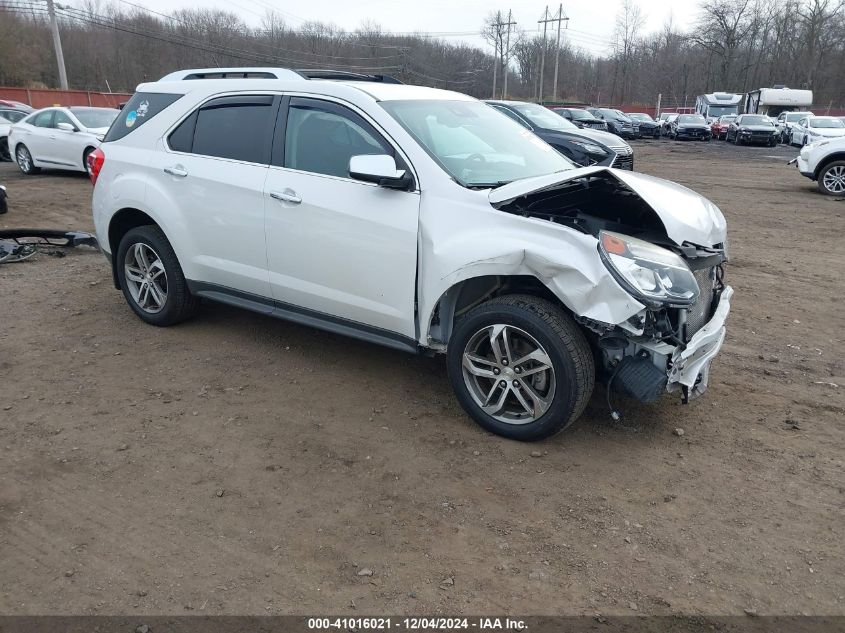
[
  {"x": 716, "y": 110},
  {"x": 829, "y": 123},
  {"x": 475, "y": 144},
  {"x": 613, "y": 114},
  {"x": 581, "y": 115},
  {"x": 640, "y": 116},
  {"x": 792, "y": 117},
  {"x": 727, "y": 119},
  {"x": 95, "y": 117},
  {"x": 542, "y": 117},
  {"x": 753, "y": 119},
  {"x": 692, "y": 118}
]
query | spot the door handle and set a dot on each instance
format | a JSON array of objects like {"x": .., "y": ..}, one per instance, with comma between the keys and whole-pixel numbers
[
  {"x": 177, "y": 170},
  {"x": 288, "y": 195}
]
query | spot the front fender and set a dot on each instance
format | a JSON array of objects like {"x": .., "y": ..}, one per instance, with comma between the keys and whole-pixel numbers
[{"x": 478, "y": 242}]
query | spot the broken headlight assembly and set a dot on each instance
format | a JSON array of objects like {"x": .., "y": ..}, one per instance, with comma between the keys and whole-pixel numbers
[{"x": 655, "y": 276}]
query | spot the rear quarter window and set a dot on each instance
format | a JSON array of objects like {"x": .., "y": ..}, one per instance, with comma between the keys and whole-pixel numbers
[{"x": 142, "y": 107}]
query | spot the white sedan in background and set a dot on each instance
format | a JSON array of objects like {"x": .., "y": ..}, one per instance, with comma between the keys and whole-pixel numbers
[
  {"x": 59, "y": 138},
  {"x": 815, "y": 128}
]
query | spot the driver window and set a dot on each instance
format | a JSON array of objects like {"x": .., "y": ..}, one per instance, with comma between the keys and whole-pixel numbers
[
  {"x": 61, "y": 117},
  {"x": 321, "y": 137}
]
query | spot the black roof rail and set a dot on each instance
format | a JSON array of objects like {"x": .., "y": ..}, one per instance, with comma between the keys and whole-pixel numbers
[{"x": 343, "y": 75}]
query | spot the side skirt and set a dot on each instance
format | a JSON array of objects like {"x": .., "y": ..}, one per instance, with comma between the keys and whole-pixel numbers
[{"x": 303, "y": 316}]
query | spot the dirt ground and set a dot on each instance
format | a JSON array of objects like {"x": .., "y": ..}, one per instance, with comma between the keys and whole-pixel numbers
[{"x": 243, "y": 465}]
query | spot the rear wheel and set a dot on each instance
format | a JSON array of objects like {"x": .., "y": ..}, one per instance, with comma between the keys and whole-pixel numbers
[
  {"x": 832, "y": 179},
  {"x": 24, "y": 160},
  {"x": 151, "y": 277},
  {"x": 521, "y": 367}
]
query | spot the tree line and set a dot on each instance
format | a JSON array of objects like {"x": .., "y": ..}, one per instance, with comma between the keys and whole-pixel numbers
[{"x": 733, "y": 46}]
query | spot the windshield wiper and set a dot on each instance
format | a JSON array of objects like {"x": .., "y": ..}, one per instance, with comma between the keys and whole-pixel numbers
[{"x": 487, "y": 185}]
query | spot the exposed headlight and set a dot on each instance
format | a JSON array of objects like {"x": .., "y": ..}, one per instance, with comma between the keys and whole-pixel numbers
[
  {"x": 654, "y": 275},
  {"x": 590, "y": 148},
  {"x": 744, "y": 131}
]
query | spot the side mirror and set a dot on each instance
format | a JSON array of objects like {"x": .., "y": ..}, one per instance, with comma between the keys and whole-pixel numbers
[
  {"x": 67, "y": 127},
  {"x": 379, "y": 169}
]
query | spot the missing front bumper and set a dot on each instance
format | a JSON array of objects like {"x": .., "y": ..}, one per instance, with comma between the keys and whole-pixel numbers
[{"x": 690, "y": 369}]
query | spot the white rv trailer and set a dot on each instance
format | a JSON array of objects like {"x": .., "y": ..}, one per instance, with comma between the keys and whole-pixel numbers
[{"x": 773, "y": 101}]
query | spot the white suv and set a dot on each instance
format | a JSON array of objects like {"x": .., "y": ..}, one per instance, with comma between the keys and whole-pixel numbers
[
  {"x": 824, "y": 162},
  {"x": 416, "y": 218}
]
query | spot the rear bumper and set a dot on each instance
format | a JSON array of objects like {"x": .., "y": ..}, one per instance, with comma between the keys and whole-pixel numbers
[{"x": 691, "y": 365}]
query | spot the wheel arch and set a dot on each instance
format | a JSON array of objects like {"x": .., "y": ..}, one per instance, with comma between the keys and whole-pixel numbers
[
  {"x": 120, "y": 224},
  {"x": 826, "y": 161},
  {"x": 468, "y": 293}
]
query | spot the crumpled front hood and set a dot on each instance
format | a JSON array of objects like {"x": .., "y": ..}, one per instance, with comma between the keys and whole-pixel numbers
[{"x": 686, "y": 215}]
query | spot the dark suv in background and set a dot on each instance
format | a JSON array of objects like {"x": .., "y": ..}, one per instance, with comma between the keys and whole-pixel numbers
[
  {"x": 581, "y": 118},
  {"x": 582, "y": 146},
  {"x": 617, "y": 122}
]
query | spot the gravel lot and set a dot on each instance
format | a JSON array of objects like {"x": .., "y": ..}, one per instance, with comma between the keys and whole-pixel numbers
[{"x": 242, "y": 465}]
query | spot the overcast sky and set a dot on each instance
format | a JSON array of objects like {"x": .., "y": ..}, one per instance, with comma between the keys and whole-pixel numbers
[{"x": 590, "y": 21}]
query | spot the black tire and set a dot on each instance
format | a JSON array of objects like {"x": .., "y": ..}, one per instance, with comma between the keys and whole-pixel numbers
[
  {"x": 179, "y": 304},
  {"x": 565, "y": 345},
  {"x": 4, "y": 150},
  {"x": 26, "y": 166},
  {"x": 85, "y": 155},
  {"x": 823, "y": 187}
]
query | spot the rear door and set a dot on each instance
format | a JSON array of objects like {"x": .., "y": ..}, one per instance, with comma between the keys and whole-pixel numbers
[
  {"x": 212, "y": 171},
  {"x": 36, "y": 135},
  {"x": 338, "y": 248}
]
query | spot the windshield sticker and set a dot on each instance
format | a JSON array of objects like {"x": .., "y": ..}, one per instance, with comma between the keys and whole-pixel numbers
[
  {"x": 130, "y": 118},
  {"x": 142, "y": 109}
]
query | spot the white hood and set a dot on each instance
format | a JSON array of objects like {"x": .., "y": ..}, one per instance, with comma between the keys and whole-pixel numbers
[{"x": 686, "y": 215}]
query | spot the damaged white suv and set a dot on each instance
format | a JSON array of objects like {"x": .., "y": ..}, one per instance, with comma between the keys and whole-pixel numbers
[{"x": 417, "y": 218}]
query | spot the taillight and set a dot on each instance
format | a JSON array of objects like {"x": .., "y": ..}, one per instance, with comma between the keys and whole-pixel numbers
[{"x": 95, "y": 164}]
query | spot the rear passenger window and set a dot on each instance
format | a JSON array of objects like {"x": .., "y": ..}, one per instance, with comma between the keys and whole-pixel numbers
[
  {"x": 321, "y": 137},
  {"x": 240, "y": 128},
  {"x": 43, "y": 119},
  {"x": 142, "y": 107}
]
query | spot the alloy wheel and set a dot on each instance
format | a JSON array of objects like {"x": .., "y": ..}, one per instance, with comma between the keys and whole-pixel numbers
[
  {"x": 24, "y": 159},
  {"x": 145, "y": 277},
  {"x": 509, "y": 374},
  {"x": 834, "y": 179}
]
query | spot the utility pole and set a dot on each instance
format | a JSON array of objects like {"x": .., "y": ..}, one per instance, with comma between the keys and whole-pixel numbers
[
  {"x": 497, "y": 32},
  {"x": 545, "y": 22},
  {"x": 57, "y": 44},
  {"x": 560, "y": 18},
  {"x": 507, "y": 55}
]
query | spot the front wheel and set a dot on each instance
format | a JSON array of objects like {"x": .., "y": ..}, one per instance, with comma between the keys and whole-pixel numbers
[
  {"x": 4, "y": 149},
  {"x": 24, "y": 161},
  {"x": 151, "y": 277},
  {"x": 521, "y": 367},
  {"x": 832, "y": 179}
]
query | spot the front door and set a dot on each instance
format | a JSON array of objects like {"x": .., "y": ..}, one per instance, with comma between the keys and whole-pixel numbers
[{"x": 339, "y": 247}]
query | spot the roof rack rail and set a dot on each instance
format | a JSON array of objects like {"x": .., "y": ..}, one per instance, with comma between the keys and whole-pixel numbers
[
  {"x": 259, "y": 72},
  {"x": 344, "y": 75}
]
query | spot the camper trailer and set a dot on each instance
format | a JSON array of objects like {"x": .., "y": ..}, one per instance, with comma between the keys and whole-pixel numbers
[{"x": 773, "y": 101}]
